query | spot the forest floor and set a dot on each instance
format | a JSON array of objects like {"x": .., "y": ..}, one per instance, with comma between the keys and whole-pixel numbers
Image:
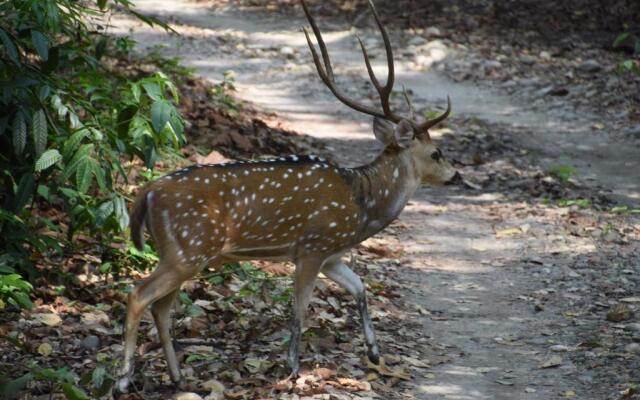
[{"x": 527, "y": 287}]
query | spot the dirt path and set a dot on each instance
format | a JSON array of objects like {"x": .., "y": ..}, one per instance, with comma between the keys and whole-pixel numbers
[{"x": 508, "y": 290}]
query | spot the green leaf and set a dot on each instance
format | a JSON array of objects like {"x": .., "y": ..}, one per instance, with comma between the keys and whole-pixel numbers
[
  {"x": 84, "y": 174},
  {"x": 102, "y": 4},
  {"x": 160, "y": 114},
  {"x": 100, "y": 174},
  {"x": 71, "y": 144},
  {"x": 77, "y": 158},
  {"x": 10, "y": 46},
  {"x": 23, "y": 299},
  {"x": 12, "y": 388},
  {"x": 72, "y": 392},
  {"x": 47, "y": 159},
  {"x": 627, "y": 65},
  {"x": 39, "y": 126},
  {"x": 44, "y": 192},
  {"x": 97, "y": 378},
  {"x": 41, "y": 43},
  {"x": 23, "y": 192},
  {"x": 19, "y": 134},
  {"x": 103, "y": 212},
  {"x": 101, "y": 47},
  {"x": 120, "y": 211},
  {"x": 149, "y": 151},
  {"x": 153, "y": 90},
  {"x": 620, "y": 39},
  {"x": 124, "y": 120},
  {"x": 52, "y": 63}
]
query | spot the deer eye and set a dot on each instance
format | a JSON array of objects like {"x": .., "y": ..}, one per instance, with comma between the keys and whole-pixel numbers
[{"x": 436, "y": 155}]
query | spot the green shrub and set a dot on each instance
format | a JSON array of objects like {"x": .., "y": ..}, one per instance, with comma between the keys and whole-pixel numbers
[
  {"x": 69, "y": 124},
  {"x": 630, "y": 41}
]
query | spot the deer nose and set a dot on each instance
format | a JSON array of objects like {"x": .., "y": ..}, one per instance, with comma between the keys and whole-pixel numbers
[{"x": 455, "y": 179}]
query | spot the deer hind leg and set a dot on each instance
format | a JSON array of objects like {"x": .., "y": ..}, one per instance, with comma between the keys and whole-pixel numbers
[
  {"x": 161, "y": 310},
  {"x": 305, "y": 275},
  {"x": 161, "y": 283},
  {"x": 338, "y": 272}
]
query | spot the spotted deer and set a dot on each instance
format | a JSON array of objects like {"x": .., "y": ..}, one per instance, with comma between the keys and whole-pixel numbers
[{"x": 301, "y": 209}]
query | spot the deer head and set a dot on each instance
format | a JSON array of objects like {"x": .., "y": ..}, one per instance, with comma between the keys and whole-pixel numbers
[{"x": 398, "y": 133}]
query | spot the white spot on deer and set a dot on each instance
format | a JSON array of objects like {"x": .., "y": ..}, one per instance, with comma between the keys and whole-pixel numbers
[
  {"x": 300, "y": 175},
  {"x": 189, "y": 197},
  {"x": 197, "y": 179},
  {"x": 246, "y": 172},
  {"x": 332, "y": 225},
  {"x": 179, "y": 204},
  {"x": 206, "y": 180},
  {"x": 295, "y": 188},
  {"x": 285, "y": 175}
]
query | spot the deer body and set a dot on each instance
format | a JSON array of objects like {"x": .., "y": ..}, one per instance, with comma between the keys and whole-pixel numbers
[
  {"x": 296, "y": 208},
  {"x": 237, "y": 211}
]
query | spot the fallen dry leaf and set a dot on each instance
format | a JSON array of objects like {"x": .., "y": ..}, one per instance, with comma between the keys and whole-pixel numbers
[
  {"x": 384, "y": 370},
  {"x": 508, "y": 232},
  {"x": 45, "y": 349},
  {"x": 47, "y": 319},
  {"x": 552, "y": 362},
  {"x": 619, "y": 313},
  {"x": 355, "y": 385}
]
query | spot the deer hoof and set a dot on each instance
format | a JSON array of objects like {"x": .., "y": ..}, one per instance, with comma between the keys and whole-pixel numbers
[
  {"x": 121, "y": 387},
  {"x": 374, "y": 356}
]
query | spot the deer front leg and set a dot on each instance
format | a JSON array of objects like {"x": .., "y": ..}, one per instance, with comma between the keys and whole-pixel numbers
[
  {"x": 305, "y": 277},
  {"x": 338, "y": 272}
]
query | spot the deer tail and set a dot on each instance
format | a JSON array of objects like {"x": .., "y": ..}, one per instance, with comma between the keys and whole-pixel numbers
[{"x": 139, "y": 216}]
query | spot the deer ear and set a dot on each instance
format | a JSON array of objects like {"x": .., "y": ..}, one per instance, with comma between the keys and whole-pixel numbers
[
  {"x": 383, "y": 130},
  {"x": 399, "y": 135},
  {"x": 403, "y": 134}
]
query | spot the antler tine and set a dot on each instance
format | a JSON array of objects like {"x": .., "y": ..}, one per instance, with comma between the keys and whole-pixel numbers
[
  {"x": 384, "y": 91},
  {"x": 424, "y": 127},
  {"x": 318, "y": 34},
  {"x": 412, "y": 111},
  {"x": 326, "y": 73}
]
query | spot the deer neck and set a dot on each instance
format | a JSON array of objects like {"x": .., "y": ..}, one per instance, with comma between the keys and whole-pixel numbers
[{"x": 383, "y": 188}]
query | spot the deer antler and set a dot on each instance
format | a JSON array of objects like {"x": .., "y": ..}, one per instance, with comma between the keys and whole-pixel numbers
[{"x": 384, "y": 91}]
